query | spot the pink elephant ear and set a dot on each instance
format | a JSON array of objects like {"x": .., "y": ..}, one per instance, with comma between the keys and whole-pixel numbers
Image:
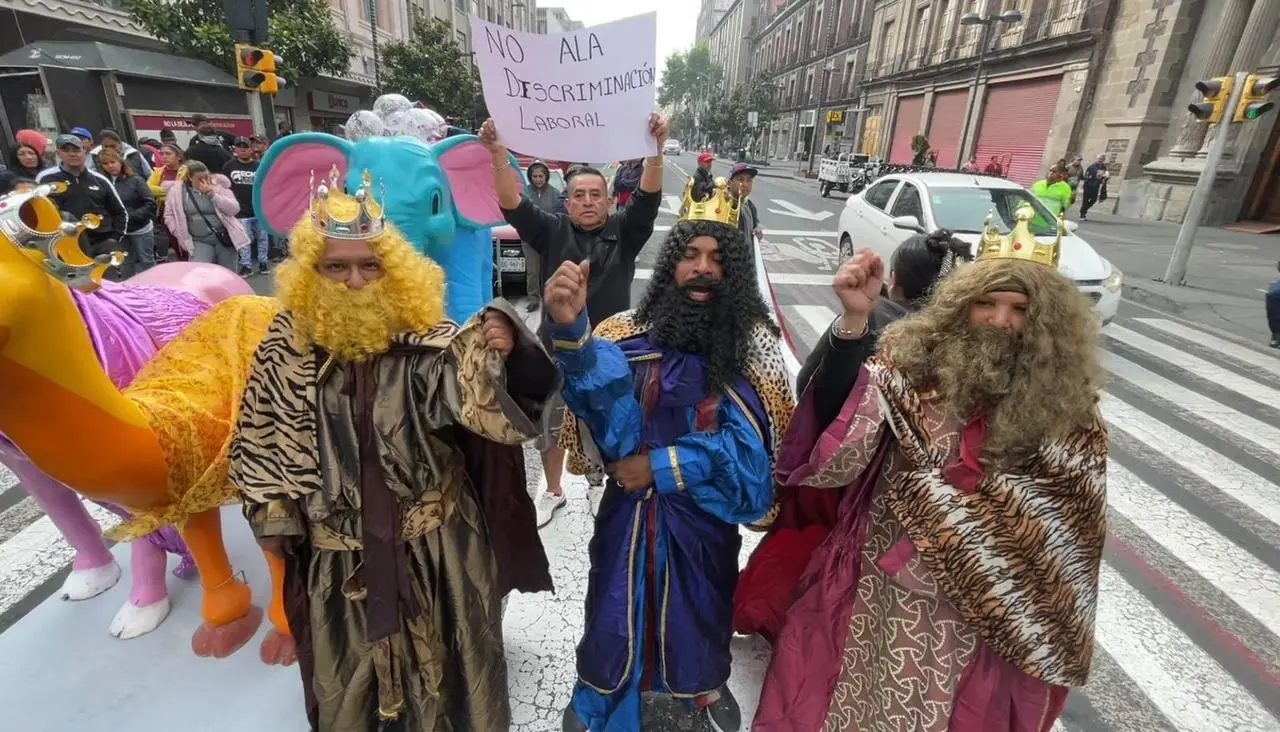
[
  {"x": 282, "y": 190},
  {"x": 468, "y": 166}
]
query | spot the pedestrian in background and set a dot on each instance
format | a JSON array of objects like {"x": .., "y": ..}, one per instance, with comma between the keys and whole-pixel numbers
[
  {"x": 85, "y": 138},
  {"x": 1095, "y": 177},
  {"x": 242, "y": 171},
  {"x": 110, "y": 139},
  {"x": 200, "y": 212},
  {"x": 168, "y": 171},
  {"x": 207, "y": 148},
  {"x": 626, "y": 180},
  {"x": 543, "y": 195},
  {"x": 26, "y": 160},
  {"x": 1273, "y": 311},
  {"x": 741, "y": 180},
  {"x": 87, "y": 192},
  {"x": 1053, "y": 191},
  {"x": 139, "y": 239}
]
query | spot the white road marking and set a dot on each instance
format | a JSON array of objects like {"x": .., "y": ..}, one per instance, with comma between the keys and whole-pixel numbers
[
  {"x": 1264, "y": 395},
  {"x": 1250, "y": 489},
  {"x": 37, "y": 553},
  {"x": 817, "y": 317},
  {"x": 670, "y": 205},
  {"x": 1178, "y": 677},
  {"x": 1240, "y": 575},
  {"x": 790, "y": 209},
  {"x": 1237, "y": 352}
]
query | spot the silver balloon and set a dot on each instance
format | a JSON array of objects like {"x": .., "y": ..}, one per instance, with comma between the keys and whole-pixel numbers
[
  {"x": 388, "y": 104},
  {"x": 364, "y": 124},
  {"x": 425, "y": 125}
]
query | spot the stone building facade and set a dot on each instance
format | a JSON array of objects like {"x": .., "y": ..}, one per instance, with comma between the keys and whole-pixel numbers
[{"x": 728, "y": 43}]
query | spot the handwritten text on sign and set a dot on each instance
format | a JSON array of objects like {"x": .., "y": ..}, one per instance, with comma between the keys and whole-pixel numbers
[{"x": 585, "y": 95}]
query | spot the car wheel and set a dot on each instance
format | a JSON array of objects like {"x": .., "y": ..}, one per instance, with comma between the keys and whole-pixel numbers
[
  {"x": 846, "y": 248},
  {"x": 824, "y": 189}
]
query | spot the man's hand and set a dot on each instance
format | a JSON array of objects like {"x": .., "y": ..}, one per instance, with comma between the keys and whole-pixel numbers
[
  {"x": 499, "y": 332},
  {"x": 658, "y": 128},
  {"x": 759, "y": 233},
  {"x": 281, "y": 546},
  {"x": 566, "y": 295},
  {"x": 489, "y": 138},
  {"x": 858, "y": 284},
  {"x": 633, "y": 473}
]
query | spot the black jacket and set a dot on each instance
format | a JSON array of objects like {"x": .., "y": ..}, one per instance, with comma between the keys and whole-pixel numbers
[
  {"x": 835, "y": 363},
  {"x": 210, "y": 152},
  {"x": 89, "y": 192},
  {"x": 138, "y": 201},
  {"x": 704, "y": 184}
]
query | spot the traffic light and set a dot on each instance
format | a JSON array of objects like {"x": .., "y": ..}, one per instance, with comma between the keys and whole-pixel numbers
[
  {"x": 1215, "y": 91},
  {"x": 256, "y": 69},
  {"x": 1253, "y": 97}
]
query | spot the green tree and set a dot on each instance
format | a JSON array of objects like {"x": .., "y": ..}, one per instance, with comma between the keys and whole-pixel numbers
[
  {"x": 300, "y": 31},
  {"x": 433, "y": 68},
  {"x": 690, "y": 79}
]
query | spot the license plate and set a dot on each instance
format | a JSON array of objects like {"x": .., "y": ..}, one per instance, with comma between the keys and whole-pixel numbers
[{"x": 511, "y": 264}]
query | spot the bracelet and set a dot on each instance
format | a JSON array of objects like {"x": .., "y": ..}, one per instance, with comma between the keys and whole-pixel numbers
[
  {"x": 847, "y": 335},
  {"x": 504, "y": 166},
  {"x": 660, "y": 164}
]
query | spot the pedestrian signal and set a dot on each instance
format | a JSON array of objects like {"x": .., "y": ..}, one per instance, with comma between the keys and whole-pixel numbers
[
  {"x": 1215, "y": 93},
  {"x": 256, "y": 69},
  {"x": 1253, "y": 97}
]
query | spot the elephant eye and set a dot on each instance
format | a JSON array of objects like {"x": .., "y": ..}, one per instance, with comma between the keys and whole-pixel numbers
[{"x": 435, "y": 204}]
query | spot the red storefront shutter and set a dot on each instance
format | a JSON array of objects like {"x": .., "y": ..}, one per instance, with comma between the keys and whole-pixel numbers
[
  {"x": 905, "y": 126},
  {"x": 1016, "y": 121},
  {"x": 946, "y": 124}
]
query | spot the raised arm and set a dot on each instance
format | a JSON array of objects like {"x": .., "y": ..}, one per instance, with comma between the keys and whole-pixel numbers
[{"x": 651, "y": 178}]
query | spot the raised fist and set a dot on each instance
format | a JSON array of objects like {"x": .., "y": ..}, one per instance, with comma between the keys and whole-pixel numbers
[
  {"x": 858, "y": 283},
  {"x": 489, "y": 137},
  {"x": 566, "y": 294}
]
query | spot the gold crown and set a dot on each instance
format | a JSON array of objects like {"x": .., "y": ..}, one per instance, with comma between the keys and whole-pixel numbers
[
  {"x": 723, "y": 207},
  {"x": 1020, "y": 243},
  {"x": 32, "y": 222},
  {"x": 339, "y": 216}
]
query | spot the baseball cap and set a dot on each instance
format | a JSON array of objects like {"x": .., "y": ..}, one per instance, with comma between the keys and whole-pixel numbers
[
  {"x": 67, "y": 140},
  {"x": 80, "y": 132},
  {"x": 743, "y": 168},
  {"x": 241, "y": 142},
  {"x": 705, "y": 157}
]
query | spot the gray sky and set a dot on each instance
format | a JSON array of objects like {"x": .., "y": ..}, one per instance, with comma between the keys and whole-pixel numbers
[{"x": 677, "y": 19}]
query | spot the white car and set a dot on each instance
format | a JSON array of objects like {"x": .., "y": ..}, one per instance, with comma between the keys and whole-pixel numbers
[
  {"x": 671, "y": 147},
  {"x": 898, "y": 206}
]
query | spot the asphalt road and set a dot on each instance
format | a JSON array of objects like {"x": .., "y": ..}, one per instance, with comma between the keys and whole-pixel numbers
[{"x": 1188, "y": 622}]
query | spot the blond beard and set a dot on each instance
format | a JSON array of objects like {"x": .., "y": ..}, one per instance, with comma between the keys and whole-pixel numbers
[{"x": 351, "y": 325}]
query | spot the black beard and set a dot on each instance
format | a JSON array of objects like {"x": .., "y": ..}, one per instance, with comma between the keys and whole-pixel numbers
[{"x": 686, "y": 325}]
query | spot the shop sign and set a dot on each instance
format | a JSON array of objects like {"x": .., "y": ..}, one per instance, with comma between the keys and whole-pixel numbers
[
  {"x": 150, "y": 125},
  {"x": 336, "y": 103},
  {"x": 835, "y": 116}
]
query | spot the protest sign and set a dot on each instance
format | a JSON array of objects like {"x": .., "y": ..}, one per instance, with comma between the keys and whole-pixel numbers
[{"x": 585, "y": 95}]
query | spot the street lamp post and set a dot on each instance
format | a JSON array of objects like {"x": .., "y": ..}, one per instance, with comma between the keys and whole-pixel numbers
[
  {"x": 988, "y": 28},
  {"x": 822, "y": 100},
  {"x": 373, "y": 31}
]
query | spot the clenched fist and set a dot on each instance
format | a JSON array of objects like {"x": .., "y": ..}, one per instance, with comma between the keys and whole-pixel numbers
[
  {"x": 858, "y": 284},
  {"x": 566, "y": 295},
  {"x": 489, "y": 138},
  {"x": 499, "y": 332}
]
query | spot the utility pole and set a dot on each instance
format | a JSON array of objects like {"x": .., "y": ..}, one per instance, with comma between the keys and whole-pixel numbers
[
  {"x": 1210, "y": 112},
  {"x": 373, "y": 29},
  {"x": 255, "y": 68}
]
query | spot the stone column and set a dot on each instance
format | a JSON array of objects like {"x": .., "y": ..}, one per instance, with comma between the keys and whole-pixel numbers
[
  {"x": 1226, "y": 38},
  {"x": 1259, "y": 34}
]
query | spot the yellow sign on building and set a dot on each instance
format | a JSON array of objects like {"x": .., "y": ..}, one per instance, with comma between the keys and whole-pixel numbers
[{"x": 835, "y": 116}]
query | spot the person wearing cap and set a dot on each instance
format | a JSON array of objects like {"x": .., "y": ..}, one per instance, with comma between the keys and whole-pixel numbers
[
  {"x": 207, "y": 147},
  {"x": 259, "y": 145},
  {"x": 704, "y": 183},
  {"x": 741, "y": 180},
  {"x": 88, "y": 192},
  {"x": 225, "y": 139},
  {"x": 84, "y": 136},
  {"x": 242, "y": 171},
  {"x": 109, "y": 138}
]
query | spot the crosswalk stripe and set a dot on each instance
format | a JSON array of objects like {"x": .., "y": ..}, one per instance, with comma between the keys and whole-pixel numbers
[
  {"x": 1240, "y": 575},
  {"x": 1240, "y": 353},
  {"x": 37, "y": 553},
  {"x": 1234, "y": 480},
  {"x": 1186, "y": 684},
  {"x": 1264, "y": 395},
  {"x": 817, "y": 318},
  {"x": 1253, "y": 430}
]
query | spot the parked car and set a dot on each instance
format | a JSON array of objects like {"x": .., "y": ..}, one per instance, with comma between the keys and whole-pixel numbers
[
  {"x": 896, "y": 206},
  {"x": 671, "y": 147}
]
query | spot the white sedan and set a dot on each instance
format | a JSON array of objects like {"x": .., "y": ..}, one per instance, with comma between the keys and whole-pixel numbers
[{"x": 898, "y": 206}]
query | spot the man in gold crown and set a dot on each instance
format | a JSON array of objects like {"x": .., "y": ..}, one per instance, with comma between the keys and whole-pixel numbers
[
  {"x": 956, "y": 589},
  {"x": 377, "y": 454},
  {"x": 679, "y": 401}
]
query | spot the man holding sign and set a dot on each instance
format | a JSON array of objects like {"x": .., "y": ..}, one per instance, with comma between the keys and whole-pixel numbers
[{"x": 587, "y": 231}]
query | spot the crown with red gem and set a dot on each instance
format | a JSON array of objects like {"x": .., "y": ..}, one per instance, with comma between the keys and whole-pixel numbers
[
  {"x": 337, "y": 215},
  {"x": 1020, "y": 243},
  {"x": 722, "y": 207}
]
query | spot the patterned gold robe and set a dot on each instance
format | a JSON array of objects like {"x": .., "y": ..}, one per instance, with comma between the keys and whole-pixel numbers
[{"x": 412, "y": 523}]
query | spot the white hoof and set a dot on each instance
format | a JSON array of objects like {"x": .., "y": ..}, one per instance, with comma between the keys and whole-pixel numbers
[
  {"x": 85, "y": 583},
  {"x": 133, "y": 621}
]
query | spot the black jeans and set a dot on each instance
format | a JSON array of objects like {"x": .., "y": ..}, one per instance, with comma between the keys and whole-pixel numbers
[{"x": 1089, "y": 199}]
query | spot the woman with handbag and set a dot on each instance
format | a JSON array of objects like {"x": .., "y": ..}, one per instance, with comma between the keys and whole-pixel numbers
[{"x": 200, "y": 212}]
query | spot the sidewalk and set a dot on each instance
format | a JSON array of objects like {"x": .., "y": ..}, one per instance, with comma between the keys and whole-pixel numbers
[
  {"x": 779, "y": 169},
  {"x": 1227, "y": 275}
]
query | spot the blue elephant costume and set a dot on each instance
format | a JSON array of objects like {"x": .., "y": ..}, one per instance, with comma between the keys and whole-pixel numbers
[{"x": 439, "y": 195}]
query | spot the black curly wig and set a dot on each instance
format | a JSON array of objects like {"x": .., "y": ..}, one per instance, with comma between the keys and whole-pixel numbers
[{"x": 720, "y": 330}]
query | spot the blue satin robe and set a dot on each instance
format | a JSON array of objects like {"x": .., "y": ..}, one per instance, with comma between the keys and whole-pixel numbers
[{"x": 664, "y": 561}]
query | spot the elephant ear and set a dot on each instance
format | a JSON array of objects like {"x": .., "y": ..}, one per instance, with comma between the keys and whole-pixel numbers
[
  {"x": 468, "y": 166},
  {"x": 282, "y": 189}
]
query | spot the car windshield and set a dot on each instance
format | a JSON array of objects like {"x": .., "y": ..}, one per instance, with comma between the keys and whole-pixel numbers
[
  {"x": 556, "y": 180},
  {"x": 963, "y": 210}
]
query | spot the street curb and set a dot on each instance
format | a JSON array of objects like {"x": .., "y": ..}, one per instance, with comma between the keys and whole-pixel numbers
[
  {"x": 763, "y": 171},
  {"x": 1151, "y": 299}
]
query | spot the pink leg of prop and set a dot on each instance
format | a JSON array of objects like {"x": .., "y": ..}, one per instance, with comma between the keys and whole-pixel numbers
[
  {"x": 63, "y": 507},
  {"x": 148, "y": 562}
]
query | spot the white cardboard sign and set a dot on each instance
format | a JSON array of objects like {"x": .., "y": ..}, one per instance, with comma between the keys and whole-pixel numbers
[{"x": 584, "y": 96}]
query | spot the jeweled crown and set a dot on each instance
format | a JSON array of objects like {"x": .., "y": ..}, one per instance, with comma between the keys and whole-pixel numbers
[
  {"x": 722, "y": 207},
  {"x": 1020, "y": 243},
  {"x": 32, "y": 222},
  {"x": 340, "y": 216}
]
